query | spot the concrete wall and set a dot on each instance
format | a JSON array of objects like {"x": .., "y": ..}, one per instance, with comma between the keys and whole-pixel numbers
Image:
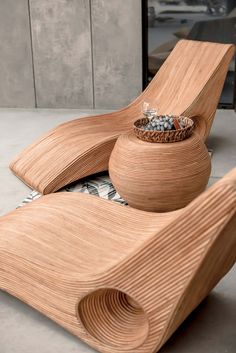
[
  {"x": 117, "y": 51},
  {"x": 70, "y": 53},
  {"x": 62, "y": 53},
  {"x": 16, "y": 72}
]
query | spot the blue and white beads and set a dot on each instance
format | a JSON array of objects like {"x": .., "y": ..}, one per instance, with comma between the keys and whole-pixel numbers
[{"x": 163, "y": 123}]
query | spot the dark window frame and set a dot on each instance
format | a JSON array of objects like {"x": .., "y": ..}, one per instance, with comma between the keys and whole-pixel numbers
[{"x": 144, "y": 5}]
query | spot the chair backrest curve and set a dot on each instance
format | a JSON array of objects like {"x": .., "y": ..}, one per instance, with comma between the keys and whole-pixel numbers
[
  {"x": 165, "y": 268},
  {"x": 185, "y": 73},
  {"x": 222, "y": 195},
  {"x": 188, "y": 78},
  {"x": 219, "y": 257}
]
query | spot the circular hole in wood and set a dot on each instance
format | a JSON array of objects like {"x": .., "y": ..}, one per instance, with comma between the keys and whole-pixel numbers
[{"x": 114, "y": 318}]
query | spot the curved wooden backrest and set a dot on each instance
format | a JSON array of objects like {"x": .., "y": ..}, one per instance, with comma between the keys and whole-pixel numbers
[
  {"x": 191, "y": 80},
  {"x": 219, "y": 255},
  {"x": 170, "y": 274}
]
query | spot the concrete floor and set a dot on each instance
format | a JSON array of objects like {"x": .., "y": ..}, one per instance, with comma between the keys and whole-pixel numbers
[{"x": 210, "y": 329}]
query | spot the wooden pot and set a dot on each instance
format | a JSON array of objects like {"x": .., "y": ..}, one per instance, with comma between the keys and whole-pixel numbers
[{"x": 159, "y": 177}]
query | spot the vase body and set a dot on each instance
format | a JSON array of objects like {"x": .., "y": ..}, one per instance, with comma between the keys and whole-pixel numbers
[{"x": 159, "y": 177}]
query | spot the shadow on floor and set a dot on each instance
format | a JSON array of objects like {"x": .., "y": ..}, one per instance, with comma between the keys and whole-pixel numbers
[
  {"x": 216, "y": 142},
  {"x": 213, "y": 324}
]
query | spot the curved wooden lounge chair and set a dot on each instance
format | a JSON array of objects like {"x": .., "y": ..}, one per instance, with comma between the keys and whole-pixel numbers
[
  {"x": 189, "y": 83},
  {"x": 119, "y": 278}
]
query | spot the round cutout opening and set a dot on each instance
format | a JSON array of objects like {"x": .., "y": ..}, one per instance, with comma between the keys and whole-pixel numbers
[{"x": 114, "y": 318}]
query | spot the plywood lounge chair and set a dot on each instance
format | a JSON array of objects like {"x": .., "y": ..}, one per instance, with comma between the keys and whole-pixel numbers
[
  {"x": 189, "y": 83},
  {"x": 119, "y": 278}
]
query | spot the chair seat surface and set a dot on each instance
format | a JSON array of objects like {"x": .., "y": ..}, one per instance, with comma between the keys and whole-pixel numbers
[{"x": 92, "y": 235}]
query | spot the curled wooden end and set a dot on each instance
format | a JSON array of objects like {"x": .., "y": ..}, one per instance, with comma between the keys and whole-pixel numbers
[{"x": 114, "y": 318}]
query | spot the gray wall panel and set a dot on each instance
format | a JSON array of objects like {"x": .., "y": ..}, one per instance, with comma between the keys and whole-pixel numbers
[
  {"x": 117, "y": 51},
  {"x": 62, "y": 53},
  {"x": 16, "y": 76},
  {"x": 72, "y": 67}
]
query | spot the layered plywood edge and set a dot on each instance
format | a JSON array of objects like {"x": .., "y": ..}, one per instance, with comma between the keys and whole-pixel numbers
[
  {"x": 120, "y": 279},
  {"x": 189, "y": 83}
]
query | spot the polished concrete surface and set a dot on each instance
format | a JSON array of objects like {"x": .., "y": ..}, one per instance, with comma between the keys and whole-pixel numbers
[{"x": 210, "y": 329}]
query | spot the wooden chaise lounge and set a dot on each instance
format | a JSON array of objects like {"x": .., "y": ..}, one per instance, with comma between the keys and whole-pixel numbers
[
  {"x": 189, "y": 83},
  {"x": 119, "y": 278}
]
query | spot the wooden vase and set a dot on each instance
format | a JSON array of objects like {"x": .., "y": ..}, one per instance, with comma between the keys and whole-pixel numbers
[{"x": 159, "y": 177}]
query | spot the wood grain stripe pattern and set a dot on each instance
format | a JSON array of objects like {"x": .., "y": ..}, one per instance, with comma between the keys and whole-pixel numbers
[
  {"x": 159, "y": 177},
  {"x": 189, "y": 83},
  {"x": 121, "y": 279}
]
